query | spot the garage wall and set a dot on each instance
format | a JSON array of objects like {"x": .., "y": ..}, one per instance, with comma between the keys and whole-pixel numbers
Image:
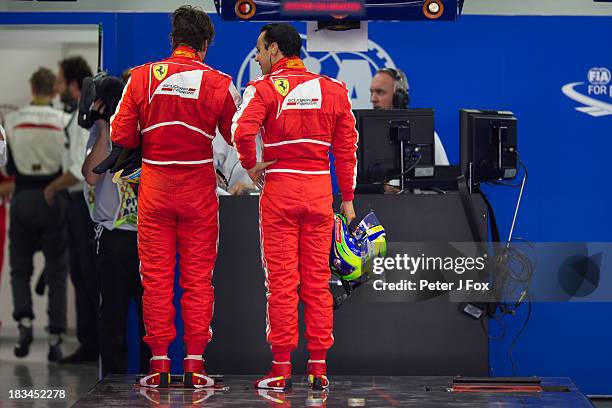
[{"x": 32, "y": 46}]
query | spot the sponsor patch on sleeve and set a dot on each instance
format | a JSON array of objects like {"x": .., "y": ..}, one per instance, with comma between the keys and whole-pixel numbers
[{"x": 182, "y": 84}]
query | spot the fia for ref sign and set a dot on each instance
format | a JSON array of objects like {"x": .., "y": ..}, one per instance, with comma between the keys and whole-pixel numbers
[{"x": 595, "y": 97}]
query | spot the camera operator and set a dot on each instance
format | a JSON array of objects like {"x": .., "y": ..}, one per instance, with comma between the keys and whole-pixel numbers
[{"x": 113, "y": 207}]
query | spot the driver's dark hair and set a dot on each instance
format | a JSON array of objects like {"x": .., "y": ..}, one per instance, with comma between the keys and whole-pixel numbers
[
  {"x": 285, "y": 35},
  {"x": 191, "y": 26}
]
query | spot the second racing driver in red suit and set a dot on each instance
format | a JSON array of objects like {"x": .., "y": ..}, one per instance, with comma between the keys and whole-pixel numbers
[{"x": 301, "y": 116}]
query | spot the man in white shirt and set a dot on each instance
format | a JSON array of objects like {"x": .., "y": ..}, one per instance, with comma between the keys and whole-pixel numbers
[
  {"x": 226, "y": 160},
  {"x": 35, "y": 139},
  {"x": 72, "y": 71}
]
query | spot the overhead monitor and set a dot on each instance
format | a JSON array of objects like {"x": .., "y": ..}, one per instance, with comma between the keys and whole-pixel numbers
[{"x": 319, "y": 10}]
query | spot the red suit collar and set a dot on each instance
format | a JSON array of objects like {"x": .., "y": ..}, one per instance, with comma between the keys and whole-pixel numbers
[
  {"x": 185, "y": 52},
  {"x": 289, "y": 63}
]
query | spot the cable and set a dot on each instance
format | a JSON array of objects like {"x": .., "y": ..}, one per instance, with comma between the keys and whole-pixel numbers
[
  {"x": 513, "y": 266},
  {"x": 531, "y": 247},
  {"x": 518, "y": 336},
  {"x": 385, "y": 182},
  {"x": 499, "y": 320},
  {"x": 411, "y": 167},
  {"x": 439, "y": 190},
  {"x": 509, "y": 184},
  {"x": 523, "y": 260},
  {"x": 501, "y": 183},
  {"x": 518, "y": 267},
  {"x": 514, "y": 269}
]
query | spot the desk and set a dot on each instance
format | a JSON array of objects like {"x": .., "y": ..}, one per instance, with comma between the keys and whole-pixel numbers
[{"x": 428, "y": 338}]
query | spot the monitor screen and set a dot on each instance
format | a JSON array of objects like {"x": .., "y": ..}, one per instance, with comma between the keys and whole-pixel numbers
[
  {"x": 488, "y": 144},
  {"x": 379, "y": 153}
]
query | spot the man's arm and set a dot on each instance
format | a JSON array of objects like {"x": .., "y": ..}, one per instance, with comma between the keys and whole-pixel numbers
[
  {"x": 231, "y": 103},
  {"x": 344, "y": 148},
  {"x": 226, "y": 160},
  {"x": 2, "y": 146},
  {"x": 72, "y": 175},
  {"x": 246, "y": 123},
  {"x": 63, "y": 182},
  {"x": 76, "y": 152},
  {"x": 11, "y": 169},
  {"x": 98, "y": 153},
  {"x": 124, "y": 123},
  {"x": 8, "y": 186}
]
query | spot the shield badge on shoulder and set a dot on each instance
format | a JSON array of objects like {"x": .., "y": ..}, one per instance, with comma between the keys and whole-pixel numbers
[
  {"x": 282, "y": 86},
  {"x": 160, "y": 71}
]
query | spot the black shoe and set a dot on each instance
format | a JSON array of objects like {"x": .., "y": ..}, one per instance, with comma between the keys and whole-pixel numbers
[
  {"x": 81, "y": 355},
  {"x": 55, "y": 351},
  {"x": 22, "y": 348}
]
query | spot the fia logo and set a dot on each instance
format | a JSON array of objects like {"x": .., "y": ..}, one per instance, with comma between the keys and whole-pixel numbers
[
  {"x": 355, "y": 69},
  {"x": 599, "y": 79},
  {"x": 599, "y": 91}
]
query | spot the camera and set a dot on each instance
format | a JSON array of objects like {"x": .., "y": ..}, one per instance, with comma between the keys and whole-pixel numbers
[{"x": 101, "y": 86}]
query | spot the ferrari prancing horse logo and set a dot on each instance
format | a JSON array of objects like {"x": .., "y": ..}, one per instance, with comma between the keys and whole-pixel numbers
[
  {"x": 282, "y": 86},
  {"x": 160, "y": 71}
]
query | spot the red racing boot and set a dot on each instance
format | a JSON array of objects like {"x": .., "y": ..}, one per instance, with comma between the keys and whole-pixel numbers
[
  {"x": 317, "y": 374},
  {"x": 279, "y": 379},
  {"x": 195, "y": 376},
  {"x": 159, "y": 373}
]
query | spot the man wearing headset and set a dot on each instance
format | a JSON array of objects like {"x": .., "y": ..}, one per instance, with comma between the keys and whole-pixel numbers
[{"x": 390, "y": 90}]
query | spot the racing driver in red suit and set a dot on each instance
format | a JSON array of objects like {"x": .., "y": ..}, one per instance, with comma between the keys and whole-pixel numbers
[
  {"x": 301, "y": 116},
  {"x": 174, "y": 106}
]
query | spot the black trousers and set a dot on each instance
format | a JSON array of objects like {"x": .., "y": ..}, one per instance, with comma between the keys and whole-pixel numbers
[
  {"x": 34, "y": 225},
  {"x": 83, "y": 271},
  {"x": 119, "y": 271}
]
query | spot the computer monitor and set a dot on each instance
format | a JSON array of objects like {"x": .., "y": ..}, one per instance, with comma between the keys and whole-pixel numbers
[
  {"x": 382, "y": 133},
  {"x": 488, "y": 145}
]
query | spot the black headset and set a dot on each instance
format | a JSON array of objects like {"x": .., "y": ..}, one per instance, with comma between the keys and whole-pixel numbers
[{"x": 401, "y": 93}]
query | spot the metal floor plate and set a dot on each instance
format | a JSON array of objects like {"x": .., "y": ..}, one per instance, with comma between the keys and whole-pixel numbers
[{"x": 345, "y": 391}]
